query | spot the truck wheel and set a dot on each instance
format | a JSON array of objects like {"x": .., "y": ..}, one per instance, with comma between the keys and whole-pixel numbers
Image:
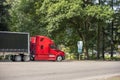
[
  {"x": 59, "y": 58},
  {"x": 26, "y": 58},
  {"x": 18, "y": 58}
]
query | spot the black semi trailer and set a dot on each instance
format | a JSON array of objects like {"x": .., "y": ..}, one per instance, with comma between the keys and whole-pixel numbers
[{"x": 17, "y": 43}]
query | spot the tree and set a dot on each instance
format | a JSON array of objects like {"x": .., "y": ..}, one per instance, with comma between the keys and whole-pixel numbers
[
  {"x": 64, "y": 20},
  {"x": 24, "y": 17},
  {"x": 78, "y": 15},
  {"x": 3, "y": 16},
  {"x": 113, "y": 26}
]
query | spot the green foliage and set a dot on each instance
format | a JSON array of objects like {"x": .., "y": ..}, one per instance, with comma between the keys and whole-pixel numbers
[
  {"x": 58, "y": 11},
  {"x": 3, "y": 16},
  {"x": 100, "y": 12},
  {"x": 24, "y": 18},
  {"x": 65, "y": 21},
  {"x": 52, "y": 13},
  {"x": 116, "y": 57},
  {"x": 68, "y": 53},
  {"x": 71, "y": 56}
]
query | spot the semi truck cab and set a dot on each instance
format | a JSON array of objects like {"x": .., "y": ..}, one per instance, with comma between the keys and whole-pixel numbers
[{"x": 43, "y": 48}]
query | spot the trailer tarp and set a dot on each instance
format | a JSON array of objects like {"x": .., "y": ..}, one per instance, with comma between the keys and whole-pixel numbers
[{"x": 14, "y": 42}]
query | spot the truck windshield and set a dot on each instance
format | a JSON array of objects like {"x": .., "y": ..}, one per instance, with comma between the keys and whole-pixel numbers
[{"x": 53, "y": 46}]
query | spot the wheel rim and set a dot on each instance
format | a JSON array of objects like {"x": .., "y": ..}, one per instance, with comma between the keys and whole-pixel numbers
[
  {"x": 26, "y": 58},
  {"x": 17, "y": 58},
  {"x": 59, "y": 58}
]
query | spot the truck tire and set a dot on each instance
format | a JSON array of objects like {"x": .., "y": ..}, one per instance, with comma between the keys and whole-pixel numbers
[
  {"x": 26, "y": 58},
  {"x": 18, "y": 58},
  {"x": 59, "y": 58}
]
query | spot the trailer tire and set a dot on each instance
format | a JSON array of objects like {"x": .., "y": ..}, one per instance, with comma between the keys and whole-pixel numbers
[
  {"x": 12, "y": 57},
  {"x": 26, "y": 58},
  {"x": 59, "y": 58},
  {"x": 18, "y": 58}
]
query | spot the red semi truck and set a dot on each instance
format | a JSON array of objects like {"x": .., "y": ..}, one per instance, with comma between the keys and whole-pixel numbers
[
  {"x": 43, "y": 48},
  {"x": 25, "y": 48}
]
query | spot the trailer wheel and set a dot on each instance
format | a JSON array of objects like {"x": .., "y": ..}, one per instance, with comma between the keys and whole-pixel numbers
[
  {"x": 59, "y": 58},
  {"x": 26, "y": 58},
  {"x": 12, "y": 57},
  {"x": 18, "y": 58}
]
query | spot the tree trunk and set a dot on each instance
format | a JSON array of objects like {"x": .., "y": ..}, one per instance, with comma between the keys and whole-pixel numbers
[
  {"x": 98, "y": 42},
  {"x": 86, "y": 49},
  {"x": 103, "y": 57},
  {"x": 86, "y": 41}
]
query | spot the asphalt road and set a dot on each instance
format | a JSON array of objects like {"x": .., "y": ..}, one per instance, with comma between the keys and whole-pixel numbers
[{"x": 66, "y": 70}]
